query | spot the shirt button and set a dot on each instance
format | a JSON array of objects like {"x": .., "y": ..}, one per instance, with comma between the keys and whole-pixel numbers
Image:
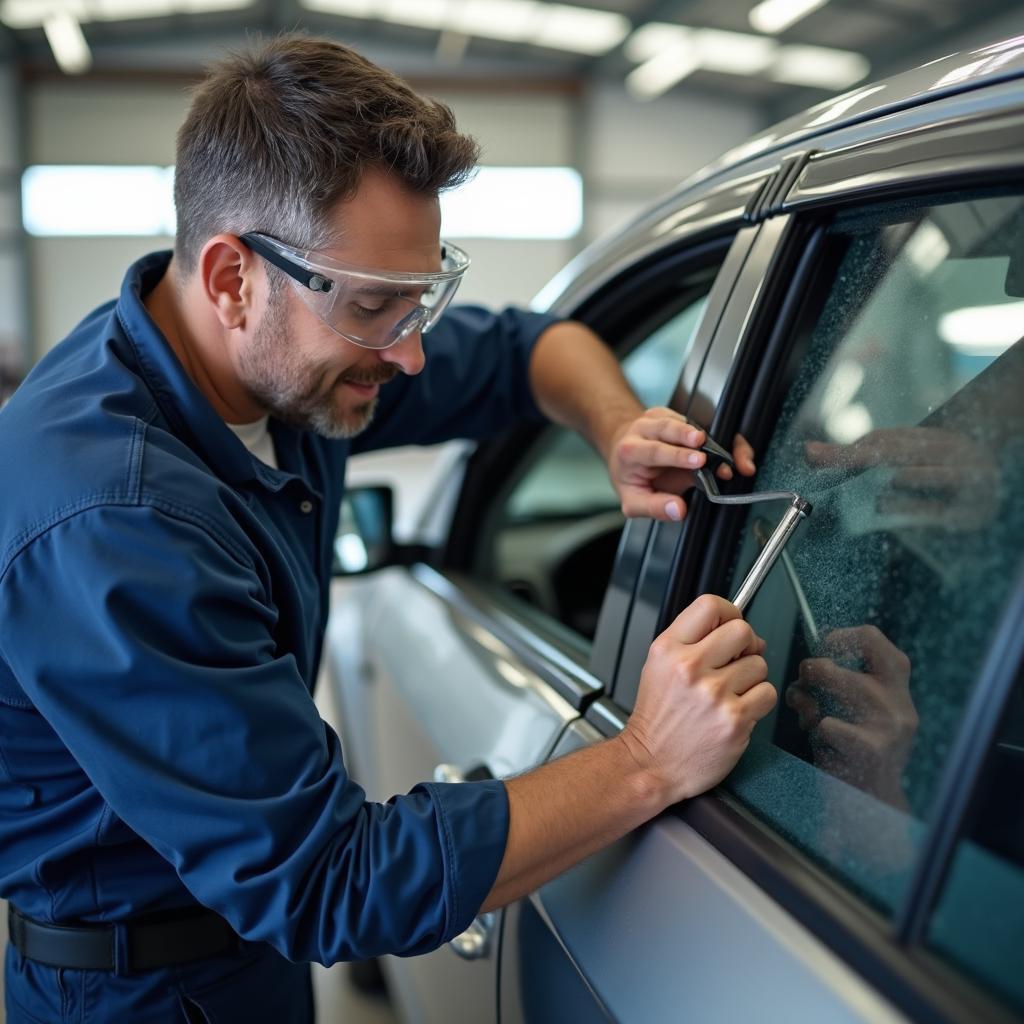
[{"x": 305, "y": 507}]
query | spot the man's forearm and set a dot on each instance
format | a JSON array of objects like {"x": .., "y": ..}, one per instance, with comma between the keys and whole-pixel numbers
[
  {"x": 577, "y": 382},
  {"x": 569, "y": 809}
]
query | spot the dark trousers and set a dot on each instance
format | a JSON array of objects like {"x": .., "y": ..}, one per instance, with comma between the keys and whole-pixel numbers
[{"x": 255, "y": 986}]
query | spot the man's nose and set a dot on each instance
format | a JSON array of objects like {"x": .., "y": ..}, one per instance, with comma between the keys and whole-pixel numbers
[{"x": 407, "y": 354}]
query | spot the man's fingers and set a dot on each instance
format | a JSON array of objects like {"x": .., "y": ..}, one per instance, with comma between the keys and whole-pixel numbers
[
  {"x": 882, "y": 656},
  {"x": 672, "y": 429},
  {"x": 840, "y": 736},
  {"x": 943, "y": 477},
  {"x": 759, "y": 700},
  {"x": 698, "y": 619},
  {"x": 732, "y": 640},
  {"x": 660, "y": 505},
  {"x": 743, "y": 455},
  {"x": 745, "y": 672},
  {"x": 639, "y": 451},
  {"x": 805, "y": 706},
  {"x": 899, "y": 446}
]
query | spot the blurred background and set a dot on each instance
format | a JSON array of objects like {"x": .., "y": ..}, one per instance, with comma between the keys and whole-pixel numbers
[{"x": 586, "y": 112}]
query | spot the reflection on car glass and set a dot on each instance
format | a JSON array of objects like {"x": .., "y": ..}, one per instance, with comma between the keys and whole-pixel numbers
[{"x": 903, "y": 425}]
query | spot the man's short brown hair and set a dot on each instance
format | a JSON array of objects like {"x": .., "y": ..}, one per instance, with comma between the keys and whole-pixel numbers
[{"x": 278, "y": 134}]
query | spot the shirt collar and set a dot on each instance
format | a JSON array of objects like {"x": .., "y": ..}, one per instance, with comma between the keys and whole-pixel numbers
[{"x": 189, "y": 412}]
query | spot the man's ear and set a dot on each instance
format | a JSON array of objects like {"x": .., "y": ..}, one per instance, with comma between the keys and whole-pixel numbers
[{"x": 227, "y": 273}]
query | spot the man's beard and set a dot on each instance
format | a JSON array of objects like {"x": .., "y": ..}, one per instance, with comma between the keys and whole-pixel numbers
[{"x": 272, "y": 370}]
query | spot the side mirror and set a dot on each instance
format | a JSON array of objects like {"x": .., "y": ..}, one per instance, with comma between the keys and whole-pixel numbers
[{"x": 364, "y": 540}]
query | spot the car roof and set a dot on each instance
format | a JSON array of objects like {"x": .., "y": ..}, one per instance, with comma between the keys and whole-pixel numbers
[
  {"x": 954, "y": 73},
  {"x": 947, "y": 76}
]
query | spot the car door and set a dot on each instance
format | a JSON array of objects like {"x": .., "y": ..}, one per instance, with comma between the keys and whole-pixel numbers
[
  {"x": 475, "y": 666},
  {"x": 865, "y": 859}
]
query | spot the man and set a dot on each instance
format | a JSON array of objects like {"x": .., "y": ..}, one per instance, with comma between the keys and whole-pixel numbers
[{"x": 170, "y": 798}]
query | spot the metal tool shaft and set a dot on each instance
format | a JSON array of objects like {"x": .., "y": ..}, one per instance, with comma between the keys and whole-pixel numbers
[
  {"x": 769, "y": 554},
  {"x": 799, "y": 508}
]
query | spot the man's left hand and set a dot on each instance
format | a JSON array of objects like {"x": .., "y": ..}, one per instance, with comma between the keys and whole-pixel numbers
[{"x": 653, "y": 459}]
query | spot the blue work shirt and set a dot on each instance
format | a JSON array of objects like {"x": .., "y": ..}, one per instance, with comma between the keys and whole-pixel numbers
[{"x": 163, "y": 597}]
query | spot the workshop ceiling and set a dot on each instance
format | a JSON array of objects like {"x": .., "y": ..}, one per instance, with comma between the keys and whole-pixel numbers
[{"x": 775, "y": 54}]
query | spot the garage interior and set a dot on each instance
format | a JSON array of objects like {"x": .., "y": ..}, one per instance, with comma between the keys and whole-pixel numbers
[{"x": 623, "y": 101}]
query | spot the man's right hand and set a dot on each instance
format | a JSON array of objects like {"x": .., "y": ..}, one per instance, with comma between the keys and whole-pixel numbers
[{"x": 702, "y": 691}]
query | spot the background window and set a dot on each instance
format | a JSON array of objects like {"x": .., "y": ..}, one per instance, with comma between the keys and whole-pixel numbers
[
  {"x": 555, "y": 530},
  {"x": 901, "y": 423}
]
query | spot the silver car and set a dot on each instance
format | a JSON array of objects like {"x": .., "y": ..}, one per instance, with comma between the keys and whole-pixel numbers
[{"x": 846, "y": 290}]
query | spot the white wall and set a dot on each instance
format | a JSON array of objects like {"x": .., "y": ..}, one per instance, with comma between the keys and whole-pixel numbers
[
  {"x": 633, "y": 151},
  {"x": 628, "y": 153}
]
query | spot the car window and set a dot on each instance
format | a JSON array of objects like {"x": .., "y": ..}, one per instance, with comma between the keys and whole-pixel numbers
[
  {"x": 899, "y": 418},
  {"x": 979, "y": 922},
  {"x": 554, "y": 531}
]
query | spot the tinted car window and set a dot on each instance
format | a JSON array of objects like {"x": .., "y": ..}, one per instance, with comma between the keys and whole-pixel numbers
[
  {"x": 979, "y": 922},
  {"x": 556, "y": 529},
  {"x": 900, "y": 421}
]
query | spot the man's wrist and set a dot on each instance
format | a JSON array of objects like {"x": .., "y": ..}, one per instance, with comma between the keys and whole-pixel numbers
[
  {"x": 614, "y": 422},
  {"x": 648, "y": 789}
]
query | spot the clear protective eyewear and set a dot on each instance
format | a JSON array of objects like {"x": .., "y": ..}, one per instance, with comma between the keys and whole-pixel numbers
[{"x": 371, "y": 308}]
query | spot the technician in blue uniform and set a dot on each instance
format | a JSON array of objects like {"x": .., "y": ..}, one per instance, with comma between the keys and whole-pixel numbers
[{"x": 178, "y": 834}]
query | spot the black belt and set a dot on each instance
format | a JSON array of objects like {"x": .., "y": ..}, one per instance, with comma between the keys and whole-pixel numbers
[{"x": 160, "y": 940}]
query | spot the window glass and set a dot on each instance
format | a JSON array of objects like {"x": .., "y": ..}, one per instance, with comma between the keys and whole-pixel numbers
[
  {"x": 901, "y": 423},
  {"x": 557, "y": 527},
  {"x": 979, "y": 922}
]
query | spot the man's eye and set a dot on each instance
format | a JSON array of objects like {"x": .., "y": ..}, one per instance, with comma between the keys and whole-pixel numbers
[{"x": 367, "y": 312}]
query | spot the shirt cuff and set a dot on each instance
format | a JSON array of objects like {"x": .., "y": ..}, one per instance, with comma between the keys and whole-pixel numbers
[{"x": 473, "y": 822}]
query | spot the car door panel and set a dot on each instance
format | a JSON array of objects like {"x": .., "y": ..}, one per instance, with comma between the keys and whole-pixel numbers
[
  {"x": 989, "y": 152},
  {"x": 660, "y": 926},
  {"x": 436, "y": 687}
]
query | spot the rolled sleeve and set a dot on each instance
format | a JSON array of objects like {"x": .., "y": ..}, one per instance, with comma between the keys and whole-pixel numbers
[
  {"x": 148, "y": 644},
  {"x": 473, "y": 818}
]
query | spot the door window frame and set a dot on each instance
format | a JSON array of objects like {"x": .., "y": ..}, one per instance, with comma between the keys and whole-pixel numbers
[
  {"x": 754, "y": 336},
  {"x": 621, "y": 310}
]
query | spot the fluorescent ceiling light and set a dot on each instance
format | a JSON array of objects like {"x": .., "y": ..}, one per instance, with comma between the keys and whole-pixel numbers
[
  {"x": 348, "y": 8},
  {"x": 115, "y": 10},
  {"x": 736, "y": 53},
  {"x": 773, "y": 16},
  {"x": 580, "y": 29},
  {"x": 70, "y": 50},
  {"x": 660, "y": 73},
  {"x": 819, "y": 66},
  {"x": 510, "y": 20},
  {"x": 515, "y": 202},
  {"x": 34, "y": 13},
  {"x": 653, "y": 38},
  {"x": 671, "y": 52},
  {"x": 557, "y": 26},
  {"x": 983, "y": 330},
  {"x": 419, "y": 13}
]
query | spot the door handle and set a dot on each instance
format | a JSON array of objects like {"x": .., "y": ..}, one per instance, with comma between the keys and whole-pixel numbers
[
  {"x": 453, "y": 773},
  {"x": 475, "y": 942}
]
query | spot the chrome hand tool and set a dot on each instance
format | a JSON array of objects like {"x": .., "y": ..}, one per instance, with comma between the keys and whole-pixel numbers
[{"x": 799, "y": 509}]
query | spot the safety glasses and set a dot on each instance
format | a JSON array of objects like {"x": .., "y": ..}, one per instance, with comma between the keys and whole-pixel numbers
[{"x": 372, "y": 308}]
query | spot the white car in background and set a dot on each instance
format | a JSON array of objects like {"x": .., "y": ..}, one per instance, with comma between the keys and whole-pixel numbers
[{"x": 848, "y": 291}]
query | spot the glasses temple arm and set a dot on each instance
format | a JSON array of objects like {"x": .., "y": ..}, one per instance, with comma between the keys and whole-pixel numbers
[{"x": 314, "y": 282}]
